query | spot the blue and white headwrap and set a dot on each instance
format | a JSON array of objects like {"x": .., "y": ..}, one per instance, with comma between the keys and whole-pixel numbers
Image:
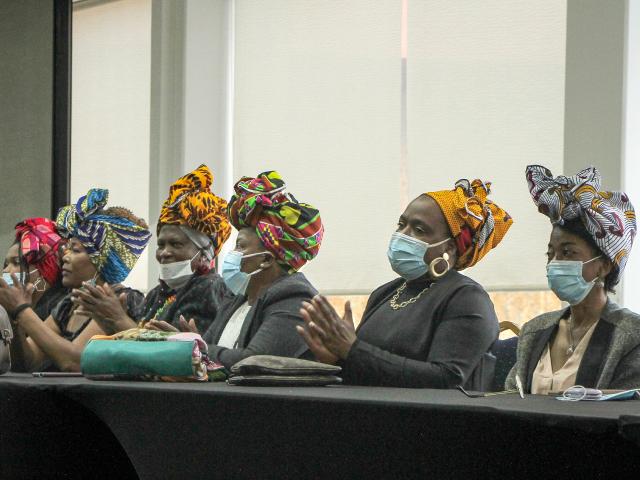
[{"x": 113, "y": 243}]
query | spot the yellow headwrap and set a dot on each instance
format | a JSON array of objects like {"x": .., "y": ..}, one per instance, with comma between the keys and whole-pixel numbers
[
  {"x": 476, "y": 223},
  {"x": 192, "y": 203}
]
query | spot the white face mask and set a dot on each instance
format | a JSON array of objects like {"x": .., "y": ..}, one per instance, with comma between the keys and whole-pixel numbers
[{"x": 177, "y": 274}]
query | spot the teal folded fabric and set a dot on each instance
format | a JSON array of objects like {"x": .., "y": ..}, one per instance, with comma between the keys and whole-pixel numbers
[{"x": 131, "y": 358}]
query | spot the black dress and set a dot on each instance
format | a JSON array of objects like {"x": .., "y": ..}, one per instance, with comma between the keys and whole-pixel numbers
[
  {"x": 436, "y": 342},
  {"x": 50, "y": 299},
  {"x": 62, "y": 313}
]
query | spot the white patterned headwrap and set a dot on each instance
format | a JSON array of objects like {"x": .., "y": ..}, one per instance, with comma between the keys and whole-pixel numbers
[{"x": 609, "y": 217}]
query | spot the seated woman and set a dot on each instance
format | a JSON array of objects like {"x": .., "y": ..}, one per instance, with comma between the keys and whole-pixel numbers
[
  {"x": 593, "y": 342},
  {"x": 192, "y": 228},
  {"x": 277, "y": 235},
  {"x": 35, "y": 257},
  {"x": 432, "y": 327},
  {"x": 103, "y": 246}
]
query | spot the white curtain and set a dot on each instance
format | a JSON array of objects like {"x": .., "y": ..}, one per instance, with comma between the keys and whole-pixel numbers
[
  {"x": 317, "y": 86},
  {"x": 110, "y": 108},
  {"x": 485, "y": 99},
  {"x": 318, "y": 97}
]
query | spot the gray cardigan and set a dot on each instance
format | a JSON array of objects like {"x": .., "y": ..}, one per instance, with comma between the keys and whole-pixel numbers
[{"x": 612, "y": 358}]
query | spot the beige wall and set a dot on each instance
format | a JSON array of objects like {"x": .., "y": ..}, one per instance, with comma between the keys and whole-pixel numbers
[
  {"x": 631, "y": 163},
  {"x": 26, "y": 82}
]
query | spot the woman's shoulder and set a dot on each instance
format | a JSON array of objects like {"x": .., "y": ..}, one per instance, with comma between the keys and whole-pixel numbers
[
  {"x": 456, "y": 287},
  {"x": 119, "y": 289},
  {"x": 622, "y": 318},
  {"x": 542, "y": 321},
  {"x": 293, "y": 285},
  {"x": 134, "y": 300},
  {"x": 206, "y": 284},
  {"x": 454, "y": 279},
  {"x": 62, "y": 311},
  {"x": 50, "y": 299},
  {"x": 384, "y": 290}
]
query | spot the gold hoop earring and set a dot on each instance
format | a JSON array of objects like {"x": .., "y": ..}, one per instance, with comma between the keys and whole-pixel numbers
[{"x": 444, "y": 258}]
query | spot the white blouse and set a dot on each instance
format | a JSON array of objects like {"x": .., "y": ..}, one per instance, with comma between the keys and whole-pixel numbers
[{"x": 233, "y": 327}]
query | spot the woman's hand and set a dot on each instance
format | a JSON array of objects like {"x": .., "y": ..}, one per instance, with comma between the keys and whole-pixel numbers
[
  {"x": 315, "y": 344},
  {"x": 325, "y": 330},
  {"x": 102, "y": 304},
  {"x": 163, "y": 326},
  {"x": 12, "y": 296},
  {"x": 160, "y": 325}
]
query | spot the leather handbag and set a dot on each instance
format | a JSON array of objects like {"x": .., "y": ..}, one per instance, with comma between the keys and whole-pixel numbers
[
  {"x": 6, "y": 335},
  {"x": 269, "y": 370}
]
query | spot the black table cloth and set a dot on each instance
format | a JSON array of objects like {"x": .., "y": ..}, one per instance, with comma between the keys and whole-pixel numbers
[{"x": 77, "y": 428}]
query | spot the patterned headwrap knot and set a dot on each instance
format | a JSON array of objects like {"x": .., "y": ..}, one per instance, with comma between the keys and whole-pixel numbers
[
  {"x": 38, "y": 242},
  {"x": 191, "y": 203},
  {"x": 476, "y": 223},
  {"x": 291, "y": 230},
  {"x": 609, "y": 217},
  {"x": 113, "y": 242}
]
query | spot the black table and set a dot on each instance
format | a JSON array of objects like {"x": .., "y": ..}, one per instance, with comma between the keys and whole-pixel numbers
[{"x": 80, "y": 428}]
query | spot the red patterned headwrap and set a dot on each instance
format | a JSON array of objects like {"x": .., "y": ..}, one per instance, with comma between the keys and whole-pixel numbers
[{"x": 38, "y": 242}]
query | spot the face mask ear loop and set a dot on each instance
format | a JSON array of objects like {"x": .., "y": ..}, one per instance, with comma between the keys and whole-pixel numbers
[
  {"x": 594, "y": 258},
  {"x": 597, "y": 280},
  {"x": 261, "y": 268}
]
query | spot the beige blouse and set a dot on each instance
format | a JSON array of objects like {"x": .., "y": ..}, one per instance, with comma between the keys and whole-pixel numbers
[{"x": 545, "y": 380}]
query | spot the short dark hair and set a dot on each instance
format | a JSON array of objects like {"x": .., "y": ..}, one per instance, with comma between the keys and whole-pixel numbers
[{"x": 577, "y": 228}]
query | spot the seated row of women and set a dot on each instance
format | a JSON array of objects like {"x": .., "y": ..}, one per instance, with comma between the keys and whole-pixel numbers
[{"x": 432, "y": 327}]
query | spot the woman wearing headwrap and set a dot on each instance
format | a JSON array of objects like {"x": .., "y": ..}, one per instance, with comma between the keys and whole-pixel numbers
[
  {"x": 35, "y": 258},
  {"x": 103, "y": 246},
  {"x": 593, "y": 342},
  {"x": 192, "y": 228},
  {"x": 277, "y": 235},
  {"x": 432, "y": 327}
]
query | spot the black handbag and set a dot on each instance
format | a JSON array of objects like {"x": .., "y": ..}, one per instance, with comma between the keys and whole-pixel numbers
[
  {"x": 6, "y": 335},
  {"x": 269, "y": 370}
]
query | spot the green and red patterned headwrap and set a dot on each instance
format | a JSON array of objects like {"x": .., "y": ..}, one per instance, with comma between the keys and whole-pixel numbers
[{"x": 291, "y": 230}]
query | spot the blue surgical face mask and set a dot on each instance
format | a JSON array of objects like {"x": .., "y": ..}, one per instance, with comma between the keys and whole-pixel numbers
[
  {"x": 7, "y": 278},
  {"x": 406, "y": 255},
  {"x": 21, "y": 278},
  {"x": 565, "y": 279},
  {"x": 236, "y": 280}
]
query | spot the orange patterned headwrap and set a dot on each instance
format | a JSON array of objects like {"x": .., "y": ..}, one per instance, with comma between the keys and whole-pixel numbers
[
  {"x": 192, "y": 203},
  {"x": 476, "y": 223}
]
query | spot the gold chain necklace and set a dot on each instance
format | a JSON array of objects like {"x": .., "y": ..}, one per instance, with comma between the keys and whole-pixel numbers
[{"x": 394, "y": 300}]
